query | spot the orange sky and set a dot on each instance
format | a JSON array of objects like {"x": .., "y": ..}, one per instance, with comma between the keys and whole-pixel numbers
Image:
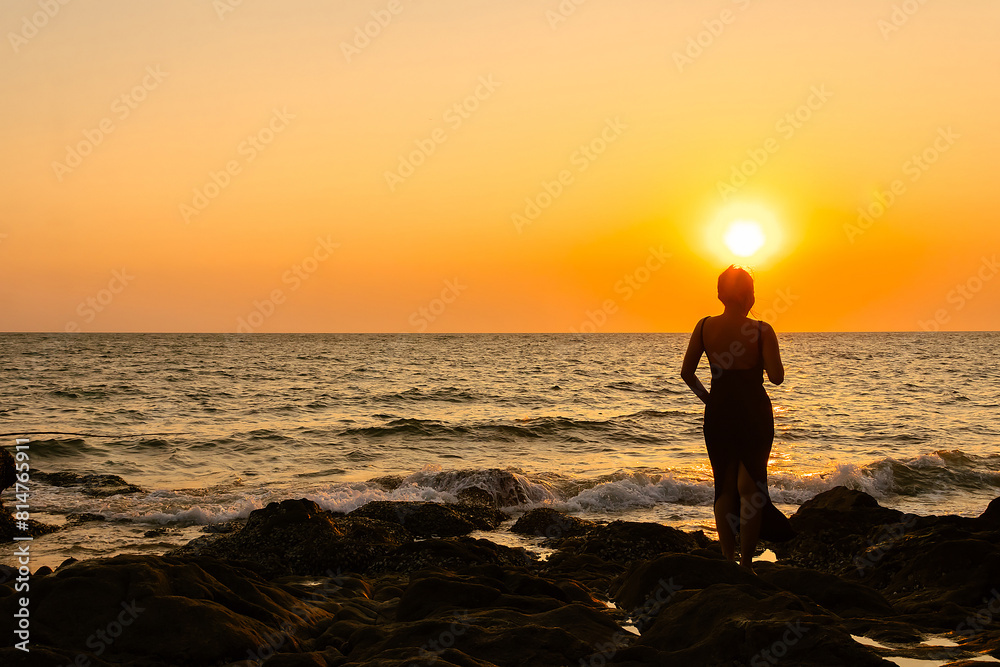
[{"x": 266, "y": 166}]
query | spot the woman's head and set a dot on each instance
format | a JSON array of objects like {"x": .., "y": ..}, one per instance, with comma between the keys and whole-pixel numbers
[{"x": 736, "y": 289}]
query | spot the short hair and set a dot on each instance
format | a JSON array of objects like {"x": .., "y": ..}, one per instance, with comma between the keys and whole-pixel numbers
[{"x": 736, "y": 287}]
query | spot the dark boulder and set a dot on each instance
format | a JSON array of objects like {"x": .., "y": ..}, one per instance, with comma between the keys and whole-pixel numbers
[
  {"x": 992, "y": 512},
  {"x": 834, "y": 528},
  {"x": 745, "y": 624},
  {"x": 547, "y": 522},
  {"x": 151, "y": 610},
  {"x": 7, "y": 470},
  {"x": 95, "y": 485},
  {"x": 454, "y": 554},
  {"x": 426, "y": 519},
  {"x": 298, "y": 537},
  {"x": 626, "y": 541}
]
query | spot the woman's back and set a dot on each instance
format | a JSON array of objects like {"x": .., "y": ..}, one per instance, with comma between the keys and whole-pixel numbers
[{"x": 731, "y": 343}]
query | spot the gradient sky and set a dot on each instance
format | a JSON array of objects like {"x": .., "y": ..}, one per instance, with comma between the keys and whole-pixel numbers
[{"x": 308, "y": 233}]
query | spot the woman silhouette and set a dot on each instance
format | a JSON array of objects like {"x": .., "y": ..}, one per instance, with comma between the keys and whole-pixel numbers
[{"x": 739, "y": 423}]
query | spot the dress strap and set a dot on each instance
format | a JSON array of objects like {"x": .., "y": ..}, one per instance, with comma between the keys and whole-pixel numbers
[{"x": 701, "y": 331}]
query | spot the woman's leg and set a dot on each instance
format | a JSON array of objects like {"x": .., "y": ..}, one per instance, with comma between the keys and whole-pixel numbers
[
  {"x": 752, "y": 504},
  {"x": 726, "y": 511}
]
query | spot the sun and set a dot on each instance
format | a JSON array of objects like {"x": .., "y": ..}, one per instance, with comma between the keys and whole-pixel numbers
[{"x": 744, "y": 237}]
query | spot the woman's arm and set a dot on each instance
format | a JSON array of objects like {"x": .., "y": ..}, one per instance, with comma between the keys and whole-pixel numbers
[
  {"x": 690, "y": 365},
  {"x": 772, "y": 356}
]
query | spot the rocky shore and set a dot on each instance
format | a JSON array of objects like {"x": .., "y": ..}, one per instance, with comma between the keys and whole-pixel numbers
[{"x": 397, "y": 584}]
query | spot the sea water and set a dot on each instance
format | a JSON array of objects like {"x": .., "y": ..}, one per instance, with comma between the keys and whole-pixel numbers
[{"x": 213, "y": 426}]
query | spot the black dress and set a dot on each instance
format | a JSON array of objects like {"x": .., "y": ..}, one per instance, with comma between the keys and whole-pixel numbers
[{"x": 739, "y": 428}]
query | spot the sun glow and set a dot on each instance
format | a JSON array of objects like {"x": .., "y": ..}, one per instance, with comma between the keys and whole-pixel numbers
[
  {"x": 744, "y": 238},
  {"x": 745, "y": 231}
]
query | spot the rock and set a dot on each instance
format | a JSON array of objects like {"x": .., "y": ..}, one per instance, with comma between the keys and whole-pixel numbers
[
  {"x": 97, "y": 486},
  {"x": 626, "y": 541},
  {"x": 845, "y": 598},
  {"x": 426, "y": 519},
  {"x": 10, "y": 528},
  {"x": 298, "y": 537},
  {"x": 453, "y": 554},
  {"x": 224, "y": 527},
  {"x": 547, "y": 522},
  {"x": 155, "y": 611},
  {"x": 745, "y": 624},
  {"x": 833, "y": 529},
  {"x": 992, "y": 512},
  {"x": 7, "y": 470},
  {"x": 565, "y": 635},
  {"x": 492, "y": 487},
  {"x": 646, "y": 586}
]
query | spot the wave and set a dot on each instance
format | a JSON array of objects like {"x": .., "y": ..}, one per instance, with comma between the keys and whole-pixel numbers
[
  {"x": 617, "y": 427},
  {"x": 889, "y": 480}
]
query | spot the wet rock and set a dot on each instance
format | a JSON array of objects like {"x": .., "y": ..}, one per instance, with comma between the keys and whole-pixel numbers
[
  {"x": 298, "y": 537},
  {"x": 7, "y": 470},
  {"x": 492, "y": 487},
  {"x": 845, "y": 598},
  {"x": 97, "y": 486},
  {"x": 224, "y": 526},
  {"x": 626, "y": 541},
  {"x": 547, "y": 522},
  {"x": 647, "y": 585},
  {"x": 11, "y": 528},
  {"x": 387, "y": 482},
  {"x": 562, "y": 635},
  {"x": 155, "y": 611},
  {"x": 833, "y": 528},
  {"x": 745, "y": 624},
  {"x": 453, "y": 554},
  {"x": 933, "y": 568},
  {"x": 84, "y": 517},
  {"x": 426, "y": 519},
  {"x": 992, "y": 512}
]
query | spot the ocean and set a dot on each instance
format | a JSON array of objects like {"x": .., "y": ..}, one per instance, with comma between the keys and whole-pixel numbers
[{"x": 213, "y": 426}]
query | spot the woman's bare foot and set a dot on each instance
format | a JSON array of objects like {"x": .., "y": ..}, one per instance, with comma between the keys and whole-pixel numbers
[{"x": 748, "y": 566}]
